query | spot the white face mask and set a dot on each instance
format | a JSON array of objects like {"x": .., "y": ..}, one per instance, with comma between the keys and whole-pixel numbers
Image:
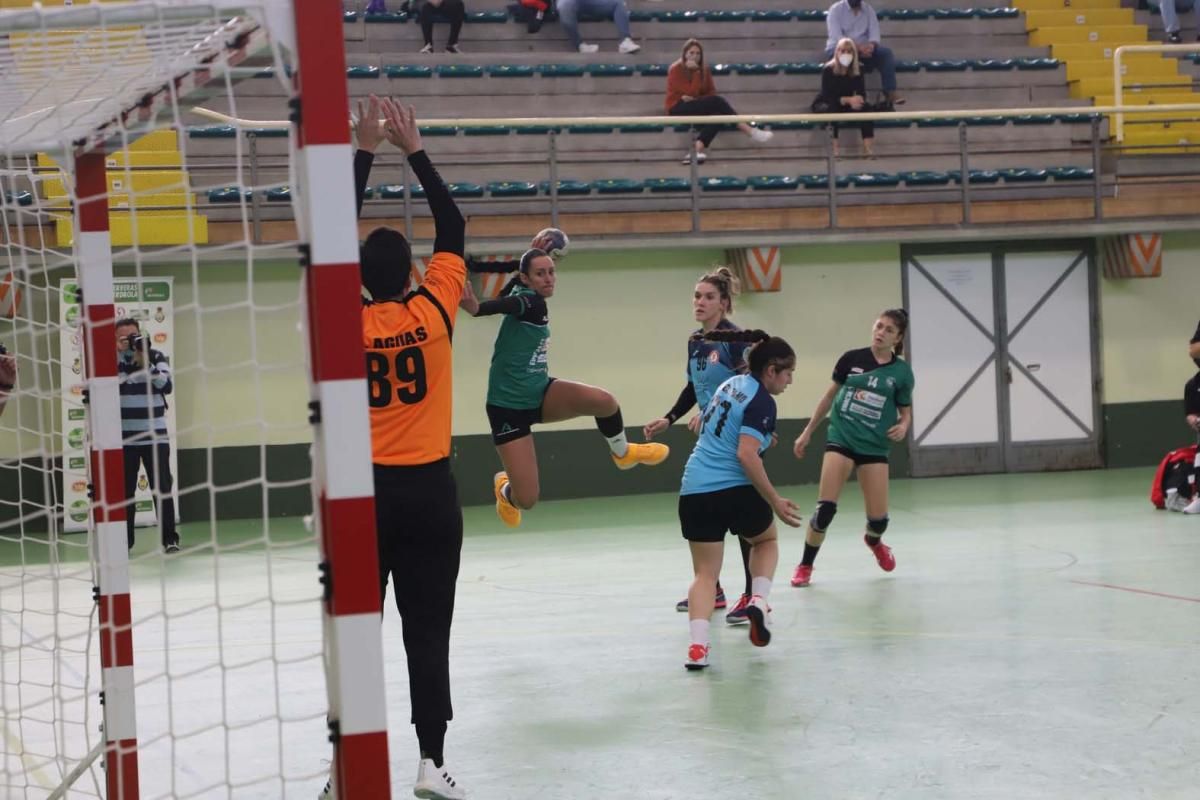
[{"x": 845, "y": 59}]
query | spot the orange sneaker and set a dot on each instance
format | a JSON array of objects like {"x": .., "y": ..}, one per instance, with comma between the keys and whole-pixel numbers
[
  {"x": 509, "y": 514},
  {"x": 648, "y": 453}
]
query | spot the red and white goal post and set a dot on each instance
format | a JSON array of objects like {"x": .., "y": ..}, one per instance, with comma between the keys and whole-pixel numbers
[{"x": 136, "y": 674}]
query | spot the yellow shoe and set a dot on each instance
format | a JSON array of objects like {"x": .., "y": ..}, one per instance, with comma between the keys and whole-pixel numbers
[
  {"x": 648, "y": 453},
  {"x": 509, "y": 514}
]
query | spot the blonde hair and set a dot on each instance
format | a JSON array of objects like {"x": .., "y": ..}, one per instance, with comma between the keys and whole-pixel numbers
[
  {"x": 725, "y": 282},
  {"x": 854, "y": 68}
]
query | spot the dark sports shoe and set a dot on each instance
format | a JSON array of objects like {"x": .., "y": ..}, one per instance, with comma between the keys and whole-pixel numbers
[
  {"x": 682, "y": 605},
  {"x": 883, "y": 555},
  {"x": 737, "y": 615},
  {"x": 173, "y": 547}
]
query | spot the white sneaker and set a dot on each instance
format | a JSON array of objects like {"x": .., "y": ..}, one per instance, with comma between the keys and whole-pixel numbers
[
  {"x": 759, "y": 614},
  {"x": 628, "y": 46},
  {"x": 1194, "y": 506},
  {"x": 700, "y": 157},
  {"x": 1175, "y": 502},
  {"x": 759, "y": 135},
  {"x": 697, "y": 657},
  {"x": 435, "y": 783},
  {"x": 427, "y": 49},
  {"x": 584, "y": 47}
]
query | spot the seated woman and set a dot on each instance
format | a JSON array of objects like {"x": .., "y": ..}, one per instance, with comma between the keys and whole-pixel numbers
[
  {"x": 843, "y": 90},
  {"x": 692, "y": 93},
  {"x": 452, "y": 11}
]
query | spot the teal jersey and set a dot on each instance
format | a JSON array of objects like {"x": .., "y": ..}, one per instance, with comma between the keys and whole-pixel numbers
[
  {"x": 867, "y": 403},
  {"x": 520, "y": 373}
]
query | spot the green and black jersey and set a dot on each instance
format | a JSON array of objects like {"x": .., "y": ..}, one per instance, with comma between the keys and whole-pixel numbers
[
  {"x": 519, "y": 373},
  {"x": 867, "y": 404}
]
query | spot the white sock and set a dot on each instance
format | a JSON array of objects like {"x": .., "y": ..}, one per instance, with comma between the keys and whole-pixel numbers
[
  {"x": 699, "y": 629},
  {"x": 617, "y": 444},
  {"x": 760, "y": 586}
]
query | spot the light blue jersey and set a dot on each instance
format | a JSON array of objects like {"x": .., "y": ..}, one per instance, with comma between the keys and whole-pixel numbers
[
  {"x": 712, "y": 363},
  {"x": 740, "y": 406}
]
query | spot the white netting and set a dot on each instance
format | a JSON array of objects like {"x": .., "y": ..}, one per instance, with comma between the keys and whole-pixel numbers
[{"x": 227, "y": 634}]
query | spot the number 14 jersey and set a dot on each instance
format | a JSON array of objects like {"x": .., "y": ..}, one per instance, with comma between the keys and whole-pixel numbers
[
  {"x": 740, "y": 406},
  {"x": 410, "y": 371}
]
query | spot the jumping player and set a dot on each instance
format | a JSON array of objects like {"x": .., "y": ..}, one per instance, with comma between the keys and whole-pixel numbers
[
  {"x": 870, "y": 407},
  {"x": 709, "y": 365},
  {"x": 726, "y": 489},
  {"x": 522, "y": 394}
]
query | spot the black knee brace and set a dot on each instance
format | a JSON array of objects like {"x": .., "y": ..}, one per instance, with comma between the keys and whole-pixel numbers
[
  {"x": 823, "y": 515},
  {"x": 877, "y": 526}
]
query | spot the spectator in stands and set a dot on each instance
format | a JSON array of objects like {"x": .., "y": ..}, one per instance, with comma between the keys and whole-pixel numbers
[
  {"x": 844, "y": 90},
  {"x": 8, "y": 376},
  {"x": 856, "y": 20},
  {"x": 452, "y": 10},
  {"x": 692, "y": 93},
  {"x": 1170, "y": 18},
  {"x": 376, "y": 7},
  {"x": 618, "y": 10},
  {"x": 1194, "y": 346}
]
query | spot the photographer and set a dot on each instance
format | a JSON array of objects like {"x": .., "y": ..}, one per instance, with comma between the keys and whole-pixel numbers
[
  {"x": 145, "y": 378},
  {"x": 8, "y": 376}
]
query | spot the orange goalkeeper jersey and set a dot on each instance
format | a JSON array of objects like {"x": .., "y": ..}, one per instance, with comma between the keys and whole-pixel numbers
[{"x": 410, "y": 367}]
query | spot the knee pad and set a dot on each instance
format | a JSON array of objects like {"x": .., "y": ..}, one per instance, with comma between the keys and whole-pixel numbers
[
  {"x": 877, "y": 526},
  {"x": 823, "y": 516}
]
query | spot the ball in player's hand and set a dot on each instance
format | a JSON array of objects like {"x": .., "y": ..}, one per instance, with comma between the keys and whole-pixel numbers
[{"x": 553, "y": 241}]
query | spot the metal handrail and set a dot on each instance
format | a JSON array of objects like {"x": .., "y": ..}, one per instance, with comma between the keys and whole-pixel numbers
[{"x": 1118, "y": 93}]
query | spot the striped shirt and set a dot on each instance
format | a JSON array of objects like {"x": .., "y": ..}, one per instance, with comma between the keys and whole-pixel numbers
[{"x": 143, "y": 401}]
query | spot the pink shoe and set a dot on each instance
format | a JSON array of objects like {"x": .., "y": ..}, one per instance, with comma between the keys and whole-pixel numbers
[
  {"x": 802, "y": 576},
  {"x": 883, "y": 555}
]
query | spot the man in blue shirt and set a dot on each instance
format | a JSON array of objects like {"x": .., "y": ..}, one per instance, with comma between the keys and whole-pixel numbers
[{"x": 856, "y": 20}]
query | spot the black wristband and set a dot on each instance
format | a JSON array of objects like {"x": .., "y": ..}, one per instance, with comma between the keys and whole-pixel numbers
[
  {"x": 6, "y": 387},
  {"x": 670, "y": 418}
]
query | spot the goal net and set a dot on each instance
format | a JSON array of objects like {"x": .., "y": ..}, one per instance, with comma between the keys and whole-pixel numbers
[{"x": 178, "y": 307}]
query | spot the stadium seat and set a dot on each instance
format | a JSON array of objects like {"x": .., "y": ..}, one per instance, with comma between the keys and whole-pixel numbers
[
  {"x": 487, "y": 130},
  {"x": 993, "y": 64},
  {"x": 487, "y": 17},
  {"x": 924, "y": 178},
  {"x": 510, "y": 71},
  {"x": 21, "y": 198},
  {"x": 395, "y": 191},
  {"x": 529, "y": 130},
  {"x": 774, "y": 15},
  {"x": 875, "y": 179},
  {"x": 1071, "y": 173},
  {"x": 937, "y": 122},
  {"x": 722, "y": 184},
  {"x": 227, "y": 194},
  {"x": 721, "y": 69},
  {"x": 977, "y": 122},
  {"x": 809, "y": 14},
  {"x": 976, "y": 176},
  {"x": 589, "y": 129},
  {"x": 407, "y": 71},
  {"x": 726, "y": 16},
  {"x": 793, "y": 126},
  {"x": 677, "y": 16},
  {"x": 893, "y": 123},
  {"x": 1033, "y": 119},
  {"x": 952, "y": 13},
  {"x": 1037, "y": 63},
  {"x": 1076, "y": 118},
  {"x": 755, "y": 69},
  {"x": 438, "y": 130},
  {"x": 386, "y": 16},
  {"x": 1024, "y": 175},
  {"x": 903, "y": 13},
  {"x": 466, "y": 189},
  {"x": 567, "y": 187},
  {"x": 947, "y": 65},
  {"x": 618, "y": 186},
  {"x": 640, "y": 128},
  {"x": 822, "y": 181},
  {"x": 349, "y": 16},
  {"x": 459, "y": 71},
  {"x": 658, "y": 185},
  {"x": 908, "y": 66},
  {"x": 362, "y": 71},
  {"x": 998, "y": 13},
  {"x": 560, "y": 70},
  {"x": 280, "y": 194},
  {"x": 803, "y": 68},
  {"x": 211, "y": 132},
  {"x": 653, "y": 69},
  {"x": 772, "y": 182},
  {"x": 512, "y": 188},
  {"x": 609, "y": 70}
]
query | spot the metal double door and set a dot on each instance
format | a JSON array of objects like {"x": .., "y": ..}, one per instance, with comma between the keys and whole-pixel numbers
[{"x": 1004, "y": 346}]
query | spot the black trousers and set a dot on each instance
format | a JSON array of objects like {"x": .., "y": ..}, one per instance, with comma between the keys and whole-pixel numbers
[
  {"x": 156, "y": 455},
  {"x": 419, "y": 525},
  {"x": 452, "y": 11},
  {"x": 713, "y": 104}
]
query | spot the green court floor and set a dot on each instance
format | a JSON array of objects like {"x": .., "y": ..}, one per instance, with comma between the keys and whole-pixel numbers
[{"x": 1038, "y": 639}]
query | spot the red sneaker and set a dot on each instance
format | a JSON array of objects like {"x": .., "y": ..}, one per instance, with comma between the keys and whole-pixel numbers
[
  {"x": 737, "y": 615},
  {"x": 802, "y": 576},
  {"x": 883, "y": 555}
]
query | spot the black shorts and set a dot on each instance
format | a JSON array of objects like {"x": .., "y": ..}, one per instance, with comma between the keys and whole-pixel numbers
[
  {"x": 741, "y": 511},
  {"x": 510, "y": 424},
  {"x": 858, "y": 458}
]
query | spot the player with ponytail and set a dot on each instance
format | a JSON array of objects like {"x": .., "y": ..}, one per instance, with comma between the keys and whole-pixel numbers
[
  {"x": 870, "y": 407},
  {"x": 725, "y": 486}
]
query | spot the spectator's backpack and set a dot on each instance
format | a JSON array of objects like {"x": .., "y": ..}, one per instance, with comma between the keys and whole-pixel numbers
[{"x": 1173, "y": 473}]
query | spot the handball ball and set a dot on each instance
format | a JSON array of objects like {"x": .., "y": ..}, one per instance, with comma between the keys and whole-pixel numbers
[{"x": 553, "y": 241}]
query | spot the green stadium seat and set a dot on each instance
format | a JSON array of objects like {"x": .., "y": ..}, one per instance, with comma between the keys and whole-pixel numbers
[
  {"x": 908, "y": 66},
  {"x": 993, "y": 64},
  {"x": 268, "y": 133},
  {"x": 755, "y": 69},
  {"x": 952, "y": 13},
  {"x": 438, "y": 130},
  {"x": 721, "y": 69},
  {"x": 653, "y": 69},
  {"x": 211, "y": 132},
  {"x": 227, "y": 194},
  {"x": 1037, "y": 63},
  {"x": 774, "y": 15},
  {"x": 1033, "y": 119},
  {"x": 560, "y": 70},
  {"x": 677, "y": 16},
  {"x": 726, "y": 16},
  {"x": 976, "y": 176},
  {"x": 660, "y": 185},
  {"x": 407, "y": 71},
  {"x": 997, "y": 13},
  {"x": 362, "y": 71},
  {"x": 487, "y": 17},
  {"x": 809, "y": 15},
  {"x": 947, "y": 65},
  {"x": 803, "y": 68},
  {"x": 937, "y": 122},
  {"x": 793, "y": 126},
  {"x": 265, "y": 72},
  {"x": 487, "y": 130},
  {"x": 875, "y": 179},
  {"x": 466, "y": 189},
  {"x": 512, "y": 188},
  {"x": 510, "y": 71},
  {"x": 609, "y": 70},
  {"x": 567, "y": 187},
  {"x": 903, "y": 13},
  {"x": 1076, "y": 118},
  {"x": 349, "y": 16},
  {"x": 368, "y": 192},
  {"x": 893, "y": 123},
  {"x": 531, "y": 130},
  {"x": 641, "y": 127},
  {"x": 280, "y": 194},
  {"x": 978, "y": 122},
  {"x": 1071, "y": 173},
  {"x": 589, "y": 129},
  {"x": 924, "y": 178},
  {"x": 395, "y": 191},
  {"x": 618, "y": 186},
  {"x": 459, "y": 71},
  {"x": 21, "y": 198},
  {"x": 722, "y": 184},
  {"x": 1024, "y": 175},
  {"x": 822, "y": 181},
  {"x": 772, "y": 182},
  {"x": 638, "y": 15},
  {"x": 387, "y": 16}
]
